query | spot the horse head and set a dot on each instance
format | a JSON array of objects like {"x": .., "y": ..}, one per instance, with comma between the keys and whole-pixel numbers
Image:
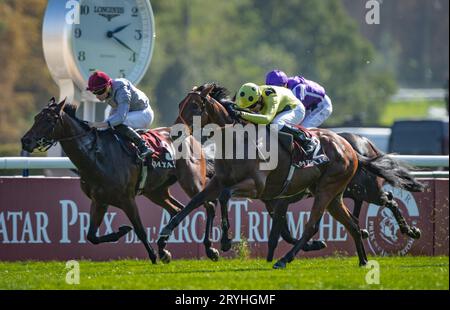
[
  {"x": 206, "y": 102},
  {"x": 43, "y": 132}
]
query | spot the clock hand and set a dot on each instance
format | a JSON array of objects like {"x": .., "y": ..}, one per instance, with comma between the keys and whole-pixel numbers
[
  {"x": 123, "y": 44},
  {"x": 119, "y": 29}
]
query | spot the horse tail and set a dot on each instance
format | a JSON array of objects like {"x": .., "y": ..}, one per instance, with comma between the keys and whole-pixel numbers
[
  {"x": 376, "y": 149},
  {"x": 393, "y": 171}
]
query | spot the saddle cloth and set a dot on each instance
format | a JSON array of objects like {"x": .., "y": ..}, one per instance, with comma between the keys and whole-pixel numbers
[
  {"x": 303, "y": 160},
  {"x": 164, "y": 155}
]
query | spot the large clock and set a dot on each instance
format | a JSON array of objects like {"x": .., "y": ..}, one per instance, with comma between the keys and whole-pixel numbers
[
  {"x": 115, "y": 36},
  {"x": 79, "y": 36}
]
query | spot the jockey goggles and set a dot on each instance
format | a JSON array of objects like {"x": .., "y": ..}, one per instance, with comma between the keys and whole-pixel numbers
[{"x": 100, "y": 91}]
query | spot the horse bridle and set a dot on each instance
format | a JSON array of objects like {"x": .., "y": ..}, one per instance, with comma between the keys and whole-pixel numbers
[
  {"x": 186, "y": 101},
  {"x": 45, "y": 143}
]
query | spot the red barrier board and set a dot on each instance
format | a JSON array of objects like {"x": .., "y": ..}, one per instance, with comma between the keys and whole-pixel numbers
[
  {"x": 48, "y": 219},
  {"x": 441, "y": 218}
]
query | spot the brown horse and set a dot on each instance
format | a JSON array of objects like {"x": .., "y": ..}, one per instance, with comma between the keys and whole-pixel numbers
[
  {"x": 243, "y": 178},
  {"x": 221, "y": 94},
  {"x": 365, "y": 186},
  {"x": 109, "y": 174}
]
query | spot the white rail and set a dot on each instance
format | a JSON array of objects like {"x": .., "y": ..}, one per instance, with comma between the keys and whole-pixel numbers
[
  {"x": 424, "y": 161},
  {"x": 65, "y": 163},
  {"x": 36, "y": 163}
]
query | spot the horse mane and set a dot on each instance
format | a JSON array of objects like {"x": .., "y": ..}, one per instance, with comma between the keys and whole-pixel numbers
[
  {"x": 222, "y": 96},
  {"x": 71, "y": 109},
  {"x": 219, "y": 93}
]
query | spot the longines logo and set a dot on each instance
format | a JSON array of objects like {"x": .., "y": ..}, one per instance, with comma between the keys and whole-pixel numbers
[
  {"x": 109, "y": 12},
  {"x": 384, "y": 233}
]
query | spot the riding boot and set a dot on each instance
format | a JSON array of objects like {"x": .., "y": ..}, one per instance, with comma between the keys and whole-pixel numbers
[
  {"x": 129, "y": 133},
  {"x": 308, "y": 144}
]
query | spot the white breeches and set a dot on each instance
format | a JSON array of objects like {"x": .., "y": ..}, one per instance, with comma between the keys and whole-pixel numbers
[
  {"x": 320, "y": 114},
  {"x": 294, "y": 116},
  {"x": 140, "y": 119}
]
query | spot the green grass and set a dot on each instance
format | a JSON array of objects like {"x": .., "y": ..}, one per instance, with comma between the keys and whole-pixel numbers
[
  {"x": 407, "y": 110},
  {"x": 320, "y": 273}
]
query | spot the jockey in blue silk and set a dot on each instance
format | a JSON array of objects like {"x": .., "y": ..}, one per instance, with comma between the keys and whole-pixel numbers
[
  {"x": 317, "y": 104},
  {"x": 130, "y": 108}
]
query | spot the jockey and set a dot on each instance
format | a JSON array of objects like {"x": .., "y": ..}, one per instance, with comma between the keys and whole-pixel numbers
[
  {"x": 317, "y": 104},
  {"x": 130, "y": 108},
  {"x": 273, "y": 105}
]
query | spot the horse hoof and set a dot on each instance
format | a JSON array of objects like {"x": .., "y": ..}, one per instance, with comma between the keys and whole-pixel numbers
[
  {"x": 415, "y": 233},
  {"x": 279, "y": 265},
  {"x": 364, "y": 234},
  {"x": 318, "y": 245},
  {"x": 225, "y": 246},
  {"x": 167, "y": 257},
  {"x": 125, "y": 230},
  {"x": 213, "y": 254},
  {"x": 363, "y": 263}
]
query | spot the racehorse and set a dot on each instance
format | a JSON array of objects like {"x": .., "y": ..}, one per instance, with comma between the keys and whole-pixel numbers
[
  {"x": 367, "y": 187},
  {"x": 220, "y": 93},
  {"x": 243, "y": 178},
  {"x": 109, "y": 174},
  {"x": 364, "y": 186}
]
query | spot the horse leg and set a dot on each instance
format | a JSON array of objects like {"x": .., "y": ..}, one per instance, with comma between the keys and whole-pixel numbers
[
  {"x": 286, "y": 234},
  {"x": 279, "y": 208},
  {"x": 225, "y": 241},
  {"x": 357, "y": 208},
  {"x": 162, "y": 198},
  {"x": 391, "y": 204},
  {"x": 96, "y": 217},
  {"x": 339, "y": 211},
  {"x": 321, "y": 202},
  {"x": 246, "y": 188},
  {"x": 132, "y": 212},
  {"x": 211, "y": 252},
  {"x": 356, "y": 212},
  {"x": 210, "y": 193}
]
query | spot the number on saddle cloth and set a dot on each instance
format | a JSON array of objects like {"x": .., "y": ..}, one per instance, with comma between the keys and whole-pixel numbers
[{"x": 300, "y": 158}]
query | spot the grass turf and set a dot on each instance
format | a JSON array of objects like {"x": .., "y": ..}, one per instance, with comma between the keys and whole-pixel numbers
[{"x": 228, "y": 274}]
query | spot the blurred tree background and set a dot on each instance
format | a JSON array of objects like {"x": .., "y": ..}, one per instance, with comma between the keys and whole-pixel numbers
[{"x": 236, "y": 41}]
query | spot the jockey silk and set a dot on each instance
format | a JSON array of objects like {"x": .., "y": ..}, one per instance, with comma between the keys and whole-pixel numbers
[
  {"x": 125, "y": 98},
  {"x": 275, "y": 100},
  {"x": 309, "y": 92}
]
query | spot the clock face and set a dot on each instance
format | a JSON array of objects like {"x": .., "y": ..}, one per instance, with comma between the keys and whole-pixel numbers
[{"x": 114, "y": 36}]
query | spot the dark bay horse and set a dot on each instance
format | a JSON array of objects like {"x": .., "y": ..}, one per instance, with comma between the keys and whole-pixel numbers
[
  {"x": 367, "y": 187},
  {"x": 109, "y": 175},
  {"x": 243, "y": 178},
  {"x": 364, "y": 186}
]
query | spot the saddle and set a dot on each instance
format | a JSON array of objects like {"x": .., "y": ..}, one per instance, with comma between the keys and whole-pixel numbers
[{"x": 163, "y": 156}]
